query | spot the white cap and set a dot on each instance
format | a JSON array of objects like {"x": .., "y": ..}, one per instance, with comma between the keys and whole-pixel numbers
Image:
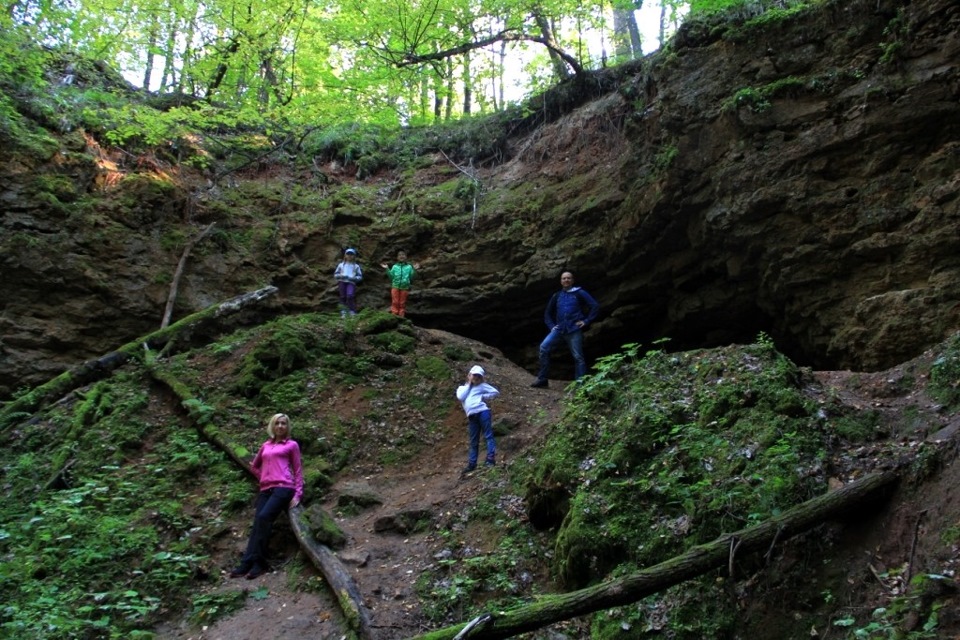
[{"x": 477, "y": 369}]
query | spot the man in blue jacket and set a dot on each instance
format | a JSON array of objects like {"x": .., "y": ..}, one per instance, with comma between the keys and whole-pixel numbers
[{"x": 568, "y": 312}]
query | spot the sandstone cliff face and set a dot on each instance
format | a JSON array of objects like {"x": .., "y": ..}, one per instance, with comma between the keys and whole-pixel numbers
[{"x": 798, "y": 177}]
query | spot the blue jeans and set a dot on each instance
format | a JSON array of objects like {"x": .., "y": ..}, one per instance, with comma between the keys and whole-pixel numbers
[
  {"x": 574, "y": 342},
  {"x": 270, "y": 504},
  {"x": 481, "y": 421}
]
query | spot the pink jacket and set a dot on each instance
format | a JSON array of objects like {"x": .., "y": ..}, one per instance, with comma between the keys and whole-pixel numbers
[{"x": 277, "y": 464}]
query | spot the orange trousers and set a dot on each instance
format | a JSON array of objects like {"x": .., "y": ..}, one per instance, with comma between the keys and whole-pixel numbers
[{"x": 398, "y": 302}]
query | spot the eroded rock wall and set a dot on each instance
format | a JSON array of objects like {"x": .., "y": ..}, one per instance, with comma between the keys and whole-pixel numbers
[{"x": 798, "y": 177}]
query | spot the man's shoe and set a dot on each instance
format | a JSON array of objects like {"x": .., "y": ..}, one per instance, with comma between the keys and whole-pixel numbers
[
  {"x": 240, "y": 571},
  {"x": 490, "y": 463},
  {"x": 540, "y": 384},
  {"x": 468, "y": 469},
  {"x": 256, "y": 572}
]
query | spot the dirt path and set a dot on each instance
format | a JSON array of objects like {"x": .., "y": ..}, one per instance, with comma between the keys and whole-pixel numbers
[{"x": 386, "y": 563}]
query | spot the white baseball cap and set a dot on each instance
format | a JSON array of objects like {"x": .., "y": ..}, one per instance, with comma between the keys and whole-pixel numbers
[{"x": 478, "y": 370}]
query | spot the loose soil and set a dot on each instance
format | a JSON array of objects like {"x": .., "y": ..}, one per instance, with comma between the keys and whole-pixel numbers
[{"x": 869, "y": 560}]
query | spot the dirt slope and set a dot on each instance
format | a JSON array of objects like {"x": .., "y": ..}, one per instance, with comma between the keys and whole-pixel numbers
[
  {"x": 865, "y": 562},
  {"x": 386, "y": 564}
]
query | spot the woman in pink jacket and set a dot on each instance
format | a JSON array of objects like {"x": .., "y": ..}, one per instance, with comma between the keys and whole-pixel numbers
[{"x": 277, "y": 466}]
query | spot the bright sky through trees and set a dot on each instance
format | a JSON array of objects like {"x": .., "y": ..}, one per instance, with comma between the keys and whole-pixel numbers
[{"x": 400, "y": 61}]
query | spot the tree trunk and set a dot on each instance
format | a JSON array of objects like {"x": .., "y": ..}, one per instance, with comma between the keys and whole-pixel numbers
[
  {"x": 94, "y": 370},
  {"x": 622, "y": 47},
  {"x": 339, "y": 579},
  {"x": 175, "y": 285},
  {"x": 635, "y": 39},
  {"x": 697, "y": 561},
  {"x": 448, "y": 111},
  {"x": 559, "y": 66},
  {"x": 467, "y": 85},
  {"x": 151, "y": 49}
]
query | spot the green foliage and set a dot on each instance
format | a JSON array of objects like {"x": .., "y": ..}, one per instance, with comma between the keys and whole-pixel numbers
[
  {"x": 19, "y": 133},
  {"x": 351, "y": 143},
  {"x": 945, "y": 374},
  {"x": 209, "y": 607},
  {"x": 857, "y": 427},
  {"x": 665, "y": 158},
  {"x": 98, "y": 556},
  {"x": 289, "y": 343},
  {"x": 897, "y": 30},
  {"x": 751, "y": 11},
  {"x": 911, "y": 616},
  {"x": 758, "y": 99},
  {"x": 394, "y": 342},
  {"x": 473, "y": 577},
  {"x": 457, "y": 353},
  {"x": 778, "y": 11}
]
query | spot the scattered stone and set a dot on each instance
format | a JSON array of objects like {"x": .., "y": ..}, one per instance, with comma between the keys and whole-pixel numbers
[
  {"x": 409, "y": 521},
  {"x": 354, "y": 558},
  {"x": 358, "y": 494}
]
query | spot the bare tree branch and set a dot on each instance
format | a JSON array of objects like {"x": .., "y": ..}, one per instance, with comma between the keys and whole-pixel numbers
[{"x": 409, "y": 58}]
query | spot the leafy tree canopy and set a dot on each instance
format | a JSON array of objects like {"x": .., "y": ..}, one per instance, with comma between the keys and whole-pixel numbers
[{"x": 390, "y": 63}]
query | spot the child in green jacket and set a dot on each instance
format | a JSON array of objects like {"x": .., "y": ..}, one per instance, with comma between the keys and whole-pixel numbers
[{"x": 401, "y": 276}]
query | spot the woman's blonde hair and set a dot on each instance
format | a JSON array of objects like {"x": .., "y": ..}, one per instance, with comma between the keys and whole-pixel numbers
[{"x": 273, "y": 423}]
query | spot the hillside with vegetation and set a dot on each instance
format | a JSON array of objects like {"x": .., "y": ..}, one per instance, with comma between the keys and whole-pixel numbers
[
  {"x": 134, "y": 508},
  {"x": 766, "y": 209}
]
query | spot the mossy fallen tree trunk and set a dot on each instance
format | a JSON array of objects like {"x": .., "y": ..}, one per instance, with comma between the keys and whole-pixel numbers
[
  {"x": 340, "y": 581},
  {"x": 697, "y": 561},
  {"x": 343, "y": 586},
  {"x": 101, "y": 367}
]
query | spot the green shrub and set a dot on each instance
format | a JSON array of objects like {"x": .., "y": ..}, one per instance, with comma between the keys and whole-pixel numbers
[{"x": 945, "y": 374}]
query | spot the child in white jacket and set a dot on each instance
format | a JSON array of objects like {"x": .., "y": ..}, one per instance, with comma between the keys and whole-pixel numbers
[
  {"x": 348, "y": 275},
  {"x": 474, "y": 396}
]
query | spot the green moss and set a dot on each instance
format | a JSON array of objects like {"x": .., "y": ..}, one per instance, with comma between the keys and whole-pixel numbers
[
  {"x": 458, "y": 353},
  {"x": 758, "y": 99},
  {"x": 433, "y": 368},
  {"x": 287, "y": 344},
  {"x": 394, "y": 342},
  {"x": 61, "y": 187},
  {"x": 658, "y": 451},
  {"x": 945, "y": 374},
  {"x": 291, "y": 392},
  {"x": 378, "y": 322},
  {"x": 324, "y": 528},
  {"x": 856, "y": 427}
]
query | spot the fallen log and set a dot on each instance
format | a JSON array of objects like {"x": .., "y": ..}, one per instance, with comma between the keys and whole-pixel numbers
[
  {"x": 102, "y": 367},
  {"x": 341, "y": 583},
  {"x": 175, "y": 285},
  {"x": 694, "y": 562}
]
